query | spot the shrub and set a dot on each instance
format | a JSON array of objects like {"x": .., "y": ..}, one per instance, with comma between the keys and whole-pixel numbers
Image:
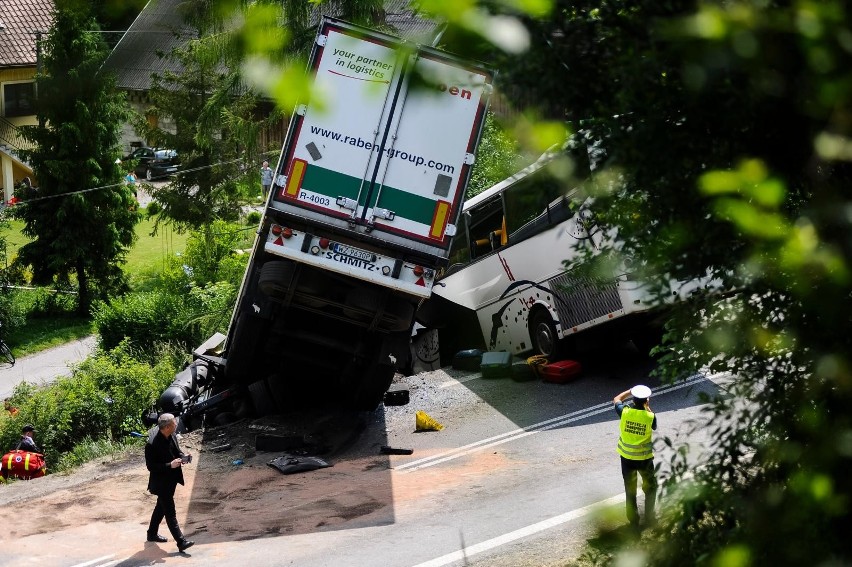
[
  {"x": 49, "y": 303},
  {"x": 145, "y": 319},
  {"x": 103, "y": 399},
  {"x": 253, "y": 218},
  {"x": 185, "y": 317},
  {"x": 203, "y": 257},
  {"x": 12, "y": 315},
  {"x": 210, "y": 308},
  {"x": 153, "y": 209}
]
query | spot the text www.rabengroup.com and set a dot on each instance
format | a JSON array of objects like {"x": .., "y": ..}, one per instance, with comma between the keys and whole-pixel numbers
[{"x": 358, "y": 142}]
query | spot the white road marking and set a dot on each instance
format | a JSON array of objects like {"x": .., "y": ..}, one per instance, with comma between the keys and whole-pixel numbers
[
  {"x": 520, "y": 533},
  {"x": 458, "y": 381},
  {"x": 530, "y": 430},
  {"x": 93, "y": 561}
]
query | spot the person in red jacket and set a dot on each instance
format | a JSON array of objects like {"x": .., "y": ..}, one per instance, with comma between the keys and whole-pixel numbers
[{"x": 164, "y": 460}]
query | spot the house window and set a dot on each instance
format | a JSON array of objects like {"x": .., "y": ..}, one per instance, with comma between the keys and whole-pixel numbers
[{"x": 19, "y": 99}]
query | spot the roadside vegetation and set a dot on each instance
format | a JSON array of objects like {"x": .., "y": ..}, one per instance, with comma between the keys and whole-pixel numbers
[
  {"x": 716, "y": 143},
  {"x": 144, "y": 338}
]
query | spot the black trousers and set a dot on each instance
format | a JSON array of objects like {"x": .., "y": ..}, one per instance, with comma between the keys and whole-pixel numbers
[
  {"x": 165, "y": 508},
  {"x": 629, "y": 471}
]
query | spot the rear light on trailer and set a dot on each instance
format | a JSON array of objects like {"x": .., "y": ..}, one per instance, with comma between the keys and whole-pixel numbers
[
  {"x": 418, "y": 271},
  {"x": 324, "y": 242},
  {"x": 282, "y": 231}
]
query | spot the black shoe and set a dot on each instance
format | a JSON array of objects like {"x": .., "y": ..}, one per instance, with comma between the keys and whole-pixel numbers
[
  {"x": 157, "y": 537},
  {"x": 184, "y": 544}
]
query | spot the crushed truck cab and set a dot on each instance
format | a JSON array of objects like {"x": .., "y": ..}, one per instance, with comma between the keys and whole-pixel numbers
[{"x": 367, "y": 193}]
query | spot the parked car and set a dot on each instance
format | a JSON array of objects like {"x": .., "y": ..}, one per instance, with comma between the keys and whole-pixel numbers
[{"x": 153, "y": 163}]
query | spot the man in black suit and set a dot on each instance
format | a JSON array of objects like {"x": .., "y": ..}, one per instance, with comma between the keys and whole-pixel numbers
[{"x": 164, "y": 460}]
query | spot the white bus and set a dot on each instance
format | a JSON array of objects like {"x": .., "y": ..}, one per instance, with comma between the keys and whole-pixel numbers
[{"x": 508, "y": 273}]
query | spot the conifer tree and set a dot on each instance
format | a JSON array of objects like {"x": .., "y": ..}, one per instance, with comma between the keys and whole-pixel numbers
[{"x": 80, "y": 216}]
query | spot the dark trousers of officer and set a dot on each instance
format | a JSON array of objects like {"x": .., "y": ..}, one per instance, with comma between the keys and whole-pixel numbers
[
  {"x": 629, "y": 471},
  {"x": 165, "y": 508}
]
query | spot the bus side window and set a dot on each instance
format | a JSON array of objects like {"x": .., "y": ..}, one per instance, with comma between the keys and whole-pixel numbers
[
  {"x": 486, "y": 228},
  {"x": 459, "y": 249}
]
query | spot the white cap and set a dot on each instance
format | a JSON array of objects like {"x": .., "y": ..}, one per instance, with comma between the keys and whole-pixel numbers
[{"x": 640, "y": 391}]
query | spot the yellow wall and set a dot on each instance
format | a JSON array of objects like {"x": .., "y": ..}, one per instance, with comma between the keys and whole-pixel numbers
[{"x": 19, "y": 74}]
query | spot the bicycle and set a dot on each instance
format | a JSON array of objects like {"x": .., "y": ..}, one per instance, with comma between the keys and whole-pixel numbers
[{"x": 7, "y": 359}]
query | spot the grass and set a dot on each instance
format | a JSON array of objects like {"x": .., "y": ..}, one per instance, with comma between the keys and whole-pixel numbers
[
  {"x": 148, "y": 256},
  {"x": 43, "y": 333},
  {"x": 150, "y": 253},
  {"x": 90, "y": 450}
]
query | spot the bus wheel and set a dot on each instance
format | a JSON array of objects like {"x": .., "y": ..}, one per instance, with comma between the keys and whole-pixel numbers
[{"x": 543, "y": 333}]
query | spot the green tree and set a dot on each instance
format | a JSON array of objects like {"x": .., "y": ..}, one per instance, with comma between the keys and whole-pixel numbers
[
  {"x": 496, "y": 158},
  {"x": 206, "y": 113},
  {"x": 81, "y": 217},
  {"x": 723, "y": 148},
  {"x": 215, "y": 115}
]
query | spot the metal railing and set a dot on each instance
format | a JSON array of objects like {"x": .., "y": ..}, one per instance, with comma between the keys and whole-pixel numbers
[{"x": 11, "y": 137}]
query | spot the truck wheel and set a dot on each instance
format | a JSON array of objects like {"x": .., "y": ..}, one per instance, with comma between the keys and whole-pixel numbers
[
  {"x": 543, "y": 333},
  {"x": 261, "y": 397},
  {"x": 275, "y": 278},
  {"x": 277, "y": 386},
  {"x": 372, "y": 390},
  {"x": 425, "y": 352}
]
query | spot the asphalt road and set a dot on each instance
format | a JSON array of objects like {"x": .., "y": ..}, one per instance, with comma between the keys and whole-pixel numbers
[
  {"x": 45, "y": 366},
  {"x": 520, "y": 475}
]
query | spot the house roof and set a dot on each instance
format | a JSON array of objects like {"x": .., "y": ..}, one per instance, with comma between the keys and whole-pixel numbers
[
  {"x": 20, "y": 20},
  {"x": 142, "y": 50},
  {"x": 159, "y": 28}
]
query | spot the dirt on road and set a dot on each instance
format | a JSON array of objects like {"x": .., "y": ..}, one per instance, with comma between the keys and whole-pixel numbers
[
  {"x": 231, "y": 491},
  {"x": 233, "y": 494}
]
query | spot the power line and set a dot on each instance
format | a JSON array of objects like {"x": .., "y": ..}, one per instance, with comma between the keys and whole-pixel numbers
[{"x": 122, "y": 183}]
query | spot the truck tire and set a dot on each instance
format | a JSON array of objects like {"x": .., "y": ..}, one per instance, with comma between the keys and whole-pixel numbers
[
  {"x": 275, "y": 278},
  {"x": 425, "y": 352},
  {"x": 278, "y": 388},
  {"x": 261, "y": 398},
  {"x": 371, "y": 391}
]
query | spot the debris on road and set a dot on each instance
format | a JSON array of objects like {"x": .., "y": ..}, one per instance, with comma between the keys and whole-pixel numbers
[
  {"x": 423, "y": 422},
  {"x": 289, "y": 464},
  {"x": 396, "y": 398},
  {"x": 386, "y": 450}
]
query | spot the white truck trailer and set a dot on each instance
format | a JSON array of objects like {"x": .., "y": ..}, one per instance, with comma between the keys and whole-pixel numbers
[{"x": 366, "y": 197}]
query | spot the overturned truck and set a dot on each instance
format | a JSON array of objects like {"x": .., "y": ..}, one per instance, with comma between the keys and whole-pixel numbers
[{"x": 366, "y": 198}]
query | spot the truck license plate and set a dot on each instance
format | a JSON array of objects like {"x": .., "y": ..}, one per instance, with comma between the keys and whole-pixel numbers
[{"x": 354, "y": 252}]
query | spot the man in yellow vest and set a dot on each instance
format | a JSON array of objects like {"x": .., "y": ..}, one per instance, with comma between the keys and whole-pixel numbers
[{"x": 637, "y": 451}]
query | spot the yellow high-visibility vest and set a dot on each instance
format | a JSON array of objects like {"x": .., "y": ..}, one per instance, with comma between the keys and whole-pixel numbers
[{"x": 634, "y": 442}]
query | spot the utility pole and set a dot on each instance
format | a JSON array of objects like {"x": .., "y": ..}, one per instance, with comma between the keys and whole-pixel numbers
[{"x": 38, "y": 34}]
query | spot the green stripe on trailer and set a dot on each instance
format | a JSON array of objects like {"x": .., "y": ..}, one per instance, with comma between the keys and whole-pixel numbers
[
  {"x": 333, "y": 184},
  {"x": 330, "y": 183}
]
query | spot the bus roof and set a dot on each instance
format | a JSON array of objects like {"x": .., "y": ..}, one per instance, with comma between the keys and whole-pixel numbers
[{"x": 498, "y": 188}]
